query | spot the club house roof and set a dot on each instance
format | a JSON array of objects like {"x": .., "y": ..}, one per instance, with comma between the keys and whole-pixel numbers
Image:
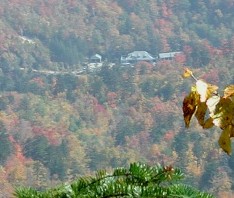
[{"x": 138, "y": 56}]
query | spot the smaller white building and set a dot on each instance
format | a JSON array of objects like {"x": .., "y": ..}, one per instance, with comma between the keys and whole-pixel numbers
[
  {"x": 168, "y": 55},
  {"x": 96, "y": 58}
]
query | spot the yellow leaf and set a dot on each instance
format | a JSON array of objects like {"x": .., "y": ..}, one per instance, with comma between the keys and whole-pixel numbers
[
  {"x": 232, "y": 132},
  {"x": 223, "y": 114},
  {"x": 205, "y": 90},
  {"x": 225, "y": 141},
  {"x": 211, "y": 90},
  {"x": 189, "y": 106},
  {"x": 229, "y": 91},
  {"x": 187, "y": 73},
  {"x": 201, "y": 112},
  {"x": 208, "y": 123}
]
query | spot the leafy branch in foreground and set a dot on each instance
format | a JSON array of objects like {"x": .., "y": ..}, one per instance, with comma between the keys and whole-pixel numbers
[
  {"x": 139, "y": 180},
  {"x": 204, "y": 100}
]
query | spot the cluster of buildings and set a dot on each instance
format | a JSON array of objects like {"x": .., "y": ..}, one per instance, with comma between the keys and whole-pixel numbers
[
  {"x": 137, "y": 56},
  {"x": 133, "y": 57}
]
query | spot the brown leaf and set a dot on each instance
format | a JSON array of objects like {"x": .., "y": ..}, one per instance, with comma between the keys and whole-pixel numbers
[
  {"x": 189, "y": 106},
  {"x": 201, "y": 112}
]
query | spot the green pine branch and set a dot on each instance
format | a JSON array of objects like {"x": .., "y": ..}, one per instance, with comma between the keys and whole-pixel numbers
[{"x": 140, "y": 180}]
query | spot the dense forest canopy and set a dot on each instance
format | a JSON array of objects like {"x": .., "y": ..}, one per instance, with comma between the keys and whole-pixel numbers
[
  {"x": 57, "y": 124},
  {"x": 67, "y": 32}
]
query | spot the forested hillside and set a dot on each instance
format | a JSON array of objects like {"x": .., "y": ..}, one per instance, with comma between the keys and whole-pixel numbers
[{"x": 57, "y": 126}]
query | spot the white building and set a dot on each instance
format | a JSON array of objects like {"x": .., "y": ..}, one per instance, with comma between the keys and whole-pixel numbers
[{"x": 137, "y": 56}]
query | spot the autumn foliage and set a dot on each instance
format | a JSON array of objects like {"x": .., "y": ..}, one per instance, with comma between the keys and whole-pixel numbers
[
  {"x": 211, "y": 109},
  {"x": 59, "y": 120}
]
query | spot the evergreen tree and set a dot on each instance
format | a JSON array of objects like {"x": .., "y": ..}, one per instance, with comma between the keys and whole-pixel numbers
[
  {"x": 5, "y": 145},
  {"x": 139, "y": 180},
  {"x": 36, "y": 148},
  {"x": 56, "y": 160}
]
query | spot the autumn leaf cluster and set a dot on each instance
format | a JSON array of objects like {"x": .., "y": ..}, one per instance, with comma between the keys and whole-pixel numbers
[{"x": 211, "y": 109}]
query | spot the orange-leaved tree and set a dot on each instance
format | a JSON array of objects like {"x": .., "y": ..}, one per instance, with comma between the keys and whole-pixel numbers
[{"x": 210, "y": 108}]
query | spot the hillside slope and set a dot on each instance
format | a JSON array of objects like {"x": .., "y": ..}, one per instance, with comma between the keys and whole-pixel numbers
[
  {"x": 41, "y": 34},
  {"x": 57, "y": 126}
]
